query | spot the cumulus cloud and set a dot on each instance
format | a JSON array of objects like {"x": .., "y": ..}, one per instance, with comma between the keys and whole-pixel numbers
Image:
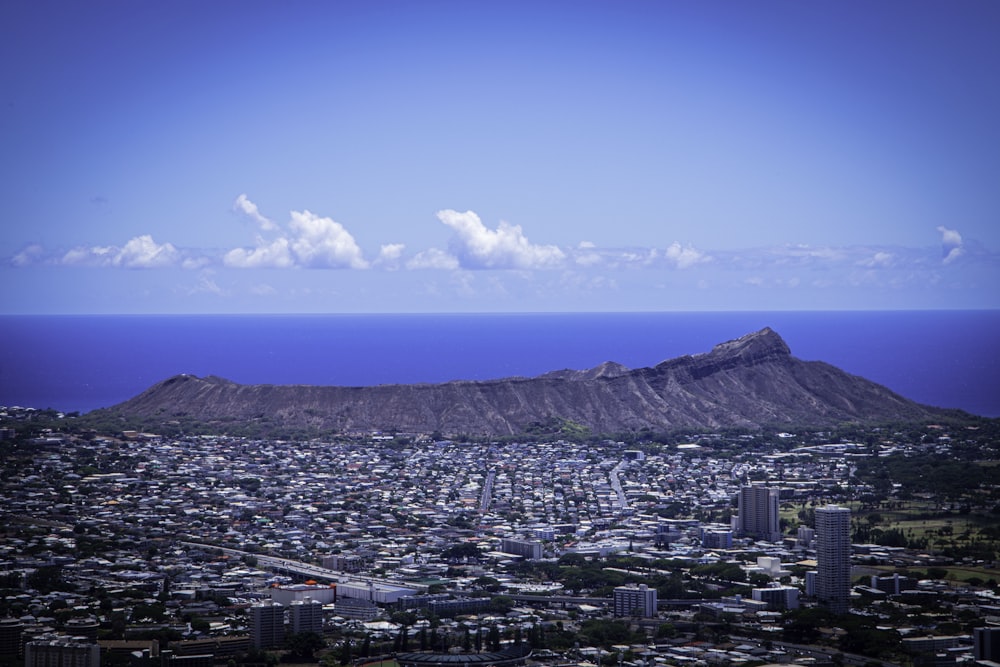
[
  {"x": 249, "y": 209},
  {"x": 267, "y": 255},
  {"x": 141, "y": 252},
  {"x": 321, "y": 242},
  {"x": 30, "y": 255},
  {"x": 389, "y": 255},
  {"x": 433, "y": 258},
  {"x": 311, "y": 241},
  {"x": 505, "y": 247},
  {"x": 951, "y": 244},
  {"x": 880, "y": 259},
  {"x": 586, "y": 254},
  {"x": 684, "y": 257}
]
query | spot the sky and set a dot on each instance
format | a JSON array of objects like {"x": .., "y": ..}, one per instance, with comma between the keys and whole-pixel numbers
[{"x": 440, "y": 156}]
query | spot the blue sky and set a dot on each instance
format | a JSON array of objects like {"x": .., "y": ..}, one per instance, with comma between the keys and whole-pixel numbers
[{"x": 377, "y": 156}]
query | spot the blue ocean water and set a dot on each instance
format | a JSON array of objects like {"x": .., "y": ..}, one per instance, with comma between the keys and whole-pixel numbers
[{"x": 78, "y": 363}]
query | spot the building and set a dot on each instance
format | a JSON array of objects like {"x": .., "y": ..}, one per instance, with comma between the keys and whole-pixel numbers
[
  {"x": 777, "y": 598},
  {"x": 61, "y": 652},
  {"x": 527, "y": 549},
  {"x": 893, "y": 584},
  {"x": 987, "y": 644},
  {"x": 286, "y": 595},
  {"x": 85, "y": 628},
  {"x": 305, "y": 616},
  {"x": 544, "y": 533},
  {"x": 635, "y": 601},
  {"x": 715, "y": 538},
  {"x": 933, "y": 643},
  {"x": 10, "y": 636},
  {"x": 342, "y": 563},
  {"x": 758, "y": 513},
  {"x": 267, "y": 624},
  {"x": 833, "y": 557},
  {"x": 379, "y": 593}
]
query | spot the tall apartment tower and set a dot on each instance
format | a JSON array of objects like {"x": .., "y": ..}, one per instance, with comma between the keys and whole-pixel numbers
[
  {"x": 758, "y": 513},
  {"x": 833, "y": 557},
  {"x": 305, "y": 616},
  {"x": 267, "y": 624},
  {"x": 61, "y": 652},
  {"x": 635, "y": 601}
]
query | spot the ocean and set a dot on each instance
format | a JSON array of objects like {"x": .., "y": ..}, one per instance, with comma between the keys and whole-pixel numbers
[{"x": 79, "y": 363}]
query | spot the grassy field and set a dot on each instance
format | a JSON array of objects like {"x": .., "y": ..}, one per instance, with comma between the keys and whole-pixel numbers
[{"x": 964, "y": 574}]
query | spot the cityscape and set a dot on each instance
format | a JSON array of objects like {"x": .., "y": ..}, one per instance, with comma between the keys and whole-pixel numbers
[{"x": 859, "y": 545}]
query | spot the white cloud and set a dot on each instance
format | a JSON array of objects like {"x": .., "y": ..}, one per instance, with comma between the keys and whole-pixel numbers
[
  {"x": 30, "y": 255},
  {"x": 684, "y": 257},
  {"x": 141, "y": 252},
  {"x": 880, "y": 259},
  {"x": 195, "y": 262},
  {"x": 950, "y": 237},
  {"x": 311, "y": 241},
  {"x": 273, "y": 255},
  {"x": 389, "y": 256},
  {"x": 506, "y": 247},
  {"x": 322, "y": 243},
  {"x": 951, "y": 244},
  {"x": 587, "y": 259},
  {"x": 248, "y": 208},
  {"x": 433, "y": 258}
]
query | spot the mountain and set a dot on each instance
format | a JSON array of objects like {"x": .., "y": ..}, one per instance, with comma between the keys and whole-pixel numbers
[{"x": 752, "y": 381}]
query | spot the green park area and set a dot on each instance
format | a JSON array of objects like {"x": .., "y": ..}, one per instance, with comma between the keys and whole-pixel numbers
[{"x": 936, "y": 507}]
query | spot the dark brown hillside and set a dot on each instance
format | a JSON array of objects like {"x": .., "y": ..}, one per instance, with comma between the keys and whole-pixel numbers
[{"x": 749, "y": 382}]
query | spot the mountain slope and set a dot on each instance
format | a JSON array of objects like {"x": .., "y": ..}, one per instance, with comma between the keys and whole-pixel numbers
[{"x": 748, "y": 382}]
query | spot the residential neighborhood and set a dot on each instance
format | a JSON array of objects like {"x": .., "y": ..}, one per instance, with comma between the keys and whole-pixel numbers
[{"x": 138, "y": 549}]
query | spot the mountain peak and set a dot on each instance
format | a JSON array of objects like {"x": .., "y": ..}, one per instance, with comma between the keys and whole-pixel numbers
[{"x": 765, "y": 343}]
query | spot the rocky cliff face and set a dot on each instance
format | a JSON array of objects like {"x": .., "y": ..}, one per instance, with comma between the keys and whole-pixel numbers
[{"x": 749, "y": 382}]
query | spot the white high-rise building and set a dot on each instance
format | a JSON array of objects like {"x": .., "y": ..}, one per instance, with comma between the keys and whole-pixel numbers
[
  {"x": 833, "y": 557},
  {"x": 635, "y": 601},
  {"x": 777, "y": 597},
  {"x": 305, "y": 616},
  {"x": 758, "y": 513},
  {"x": 267, "y": 624}
]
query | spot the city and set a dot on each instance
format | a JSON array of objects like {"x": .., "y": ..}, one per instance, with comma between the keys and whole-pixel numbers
[{"x": 733, "y": 548}]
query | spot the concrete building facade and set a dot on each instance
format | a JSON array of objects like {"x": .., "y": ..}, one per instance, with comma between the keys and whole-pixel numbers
[
  {"x": 305, "y": 616},
  {"x": 833, "y": 557},
  {"x": 758, "y": 513},
  {"x": 638, "y": 600},
  {"x": 267, "y": 624},
  {"x": 61, "y": 652}
]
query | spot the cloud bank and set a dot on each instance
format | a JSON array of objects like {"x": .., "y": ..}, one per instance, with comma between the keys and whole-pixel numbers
[
  {"x": 503, "y": 260},
  {"x": 141, "y": 252}
]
